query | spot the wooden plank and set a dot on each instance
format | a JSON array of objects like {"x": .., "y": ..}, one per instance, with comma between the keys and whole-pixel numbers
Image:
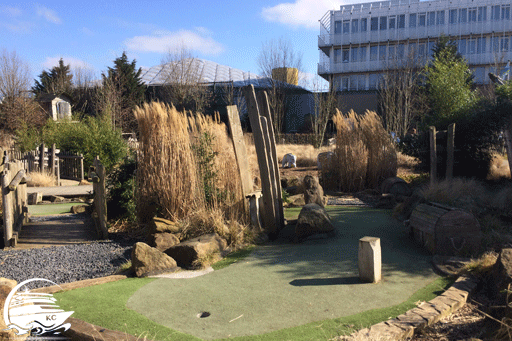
[
  {"x": 450, "y": 147},
  {"x": 433, "y": 155},
  {"x": 17, "y": 179},
  {"x": 237, "y": 136},
  {"x": 269, "y": 215},
  {"x": 7, "y": 204},
  {"x": 265, "y": 112}
]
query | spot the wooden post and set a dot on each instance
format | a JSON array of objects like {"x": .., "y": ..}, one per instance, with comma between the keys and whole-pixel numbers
[
  {"x": 450, "y": 149},
  {"x": 265, "y": 112},
  {"x": 51, "y": 161},
  {"x": 433, "y": 155},
  {"x": 7, "y": 202},
  {"x": 269, "y": 216},
  {"x": 81, "y": 167},
  {"x": 100, "y": 201}
]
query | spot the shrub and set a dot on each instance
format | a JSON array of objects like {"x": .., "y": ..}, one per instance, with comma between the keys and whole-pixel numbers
[
  {"x": 38, "y": 179},
  {"x": 91, "y": 137},
  {"x": 121, "y": 188}
]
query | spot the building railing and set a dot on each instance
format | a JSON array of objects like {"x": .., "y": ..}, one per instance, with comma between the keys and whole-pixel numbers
[{"x": 454, "y": 30}]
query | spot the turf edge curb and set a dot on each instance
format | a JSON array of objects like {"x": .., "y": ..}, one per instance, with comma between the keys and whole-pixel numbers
[{"x": 424, "y": 315}]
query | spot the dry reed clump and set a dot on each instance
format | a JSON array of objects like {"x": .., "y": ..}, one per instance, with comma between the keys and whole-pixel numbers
[
  {"x": 364, "y": 155},
  {"x": 406, "y": 162},
  {"x": 467, "y": 194},
  {"x": 499, "y": 168},
  {"x": 481, "y": 266},
  {"x": 166, "y": 172},
  {"x": 187, "y": 170},
  {"x": 39, "y": 179}
]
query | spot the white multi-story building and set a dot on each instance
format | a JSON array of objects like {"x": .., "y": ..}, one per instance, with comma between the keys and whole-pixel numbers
[{"x": 358, "y": 42}]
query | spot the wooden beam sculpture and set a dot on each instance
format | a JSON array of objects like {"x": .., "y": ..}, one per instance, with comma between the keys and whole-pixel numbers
[{"x": 267, "y": 163}]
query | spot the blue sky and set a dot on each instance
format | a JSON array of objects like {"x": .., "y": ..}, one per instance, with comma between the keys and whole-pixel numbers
[{"x": 93, "y": 33}]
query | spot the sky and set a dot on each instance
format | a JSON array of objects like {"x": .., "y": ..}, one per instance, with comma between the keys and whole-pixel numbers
[{"x": 93, "y": 33}]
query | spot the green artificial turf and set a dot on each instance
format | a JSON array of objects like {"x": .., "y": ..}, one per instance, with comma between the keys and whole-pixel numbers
[
  {"x": 51, "y": 209},
  {"x": 105, "y": 305},
  {"x": 233, "y": 258}
]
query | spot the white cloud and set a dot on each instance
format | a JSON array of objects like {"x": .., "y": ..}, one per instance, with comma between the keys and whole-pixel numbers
[
  {"x": 48, "y": 14},
  {"x": 50, "y": 62},
  {"x": 18, "y": 26},
  {"x": 10, "y": 11},
  {"x": 301, "y": 13},
  {"x": 199, "y": 40}
]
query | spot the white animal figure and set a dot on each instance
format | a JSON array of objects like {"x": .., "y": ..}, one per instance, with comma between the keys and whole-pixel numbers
[
  {"x": 324, "y": 159},
  {"x": 289, "y": 160}
]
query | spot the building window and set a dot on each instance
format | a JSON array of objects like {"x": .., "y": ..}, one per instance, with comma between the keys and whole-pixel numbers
[
  {"x": 453, "y": 16},
  {"x": 337, "y": 27},
  {"x": 472, "y": 14},
  {"x": 495, "y": 44},
  {"x": 471, "y": 46},
  {"x": 431, "y": 18},
  {"x": 353, "y": 82},
  {"x": 401, "y": 21},
  {"x": 479, "y": 73},
  {"x": 413, "y": 50},
  {"x": 482, "y": 13},
  {"x": 392, "y": 22},
  {"x": 364, "y": 24},
  {"x": 362, "y": 54},
  {"x": 354, "y": 54},
  {"x": 346, "y": 26},
  {"x": 463, "y": 15},
  {"x": 495, "y": 12},
  {"x": 382, "y": 52},
  {"x": 355, "y": 25},
  {"x": 373, "y": 81},
  {"x": 422, "y": 50},
  {"x": 422, "y": 18},
  {"x": 374, "y": 24},
  {"x": 462, "y": 46},
  {"x": 431, "y": 45},
  {"x": 400, "y": 51},
  {"x": 337, "y": 56},
  {"x": 505, "y": 12},
  {"x": 374, "y": 53},
  {"x": 412, "y": 20},
  {"x": 504, "y": 44},
  {"x": 480, "y": 45},
  {"x": 383, "y": 23},
  {"x": 344, "y": 83},
  {"x": 345, "y": 53},
  {"x": 392, "y": 52},
  {"x": 440, "y": 18}
]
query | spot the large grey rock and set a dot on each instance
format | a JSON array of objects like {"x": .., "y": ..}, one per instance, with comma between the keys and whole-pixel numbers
[
  {"x": 312, "y": 219},
  {"x": 160, "y": 225},
  {"x": 313, "y": 192},
  {"x": 502, "y": 271},
  {"x": 147, "y": 260},
  {"x": 187, "y": 254},
  {"x": 165, "y": 240}
]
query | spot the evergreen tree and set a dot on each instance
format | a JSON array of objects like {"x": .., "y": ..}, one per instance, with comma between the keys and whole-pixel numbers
[
  {"x": 449, "y": 85},
  {"x": 56, "y": 81},
  {"x": 124, "y": 89}
]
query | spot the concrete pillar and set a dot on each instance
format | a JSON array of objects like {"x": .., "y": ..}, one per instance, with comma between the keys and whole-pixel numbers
[{"x": 370, "y": 262}]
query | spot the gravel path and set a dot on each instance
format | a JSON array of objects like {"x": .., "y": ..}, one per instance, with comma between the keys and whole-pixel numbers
[{"x": 64, "y": 264}]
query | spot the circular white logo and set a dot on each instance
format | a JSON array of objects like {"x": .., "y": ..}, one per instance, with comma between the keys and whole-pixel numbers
[{"x": 34, "y": 313}]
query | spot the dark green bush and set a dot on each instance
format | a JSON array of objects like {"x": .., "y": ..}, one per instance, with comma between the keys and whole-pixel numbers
[{"x": 121, "y": 188}]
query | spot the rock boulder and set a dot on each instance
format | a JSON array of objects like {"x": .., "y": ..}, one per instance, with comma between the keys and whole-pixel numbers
[
  {"x": 313, "y": 219},
  {"x": 147, "y": 260},
  {"x": 163, "y": 241},
  {"x": 313, "y": 191},
  {"x": 502, "y": 271},
  {"x": 187, "y": 254}
]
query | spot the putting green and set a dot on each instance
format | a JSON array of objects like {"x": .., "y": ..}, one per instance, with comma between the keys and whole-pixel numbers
[
  {"x": 284, "y": 285},
  {"x": 51, "y": 209}
]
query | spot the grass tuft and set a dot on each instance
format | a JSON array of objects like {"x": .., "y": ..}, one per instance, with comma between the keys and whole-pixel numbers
[{"x": 39, "y": 179}]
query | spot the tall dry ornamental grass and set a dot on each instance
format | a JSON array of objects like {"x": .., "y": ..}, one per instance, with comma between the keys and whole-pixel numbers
[
  {"x": 175, "y": 159},
  {"x": 364, "y": 155}
]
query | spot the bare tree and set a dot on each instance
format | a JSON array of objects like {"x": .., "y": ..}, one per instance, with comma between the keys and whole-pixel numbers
[
  {"x": 182, "y": 74},
  {"x": 326, "y": 103},
  {"x": 16, "y": 103},
  {"x": 84, "y": 90},
  {"x": 399, "y": 96},
  {"x": 276, "y": 54}
]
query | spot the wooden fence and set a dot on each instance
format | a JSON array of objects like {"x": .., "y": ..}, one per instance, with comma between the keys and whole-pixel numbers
[
  {"x": 14, "y": 201},
  {"x": 61, "y": 164}
]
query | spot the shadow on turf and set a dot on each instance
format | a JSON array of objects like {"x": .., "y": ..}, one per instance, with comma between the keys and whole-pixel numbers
[{"x": 325, "y": 281}]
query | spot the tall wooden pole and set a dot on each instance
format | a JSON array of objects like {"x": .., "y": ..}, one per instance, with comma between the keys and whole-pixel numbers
[
  {"x": 433, "y": 155},
  {"x": 450, "y": 149}
]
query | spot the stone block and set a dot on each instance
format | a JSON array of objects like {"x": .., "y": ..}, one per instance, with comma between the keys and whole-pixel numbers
[
  {"x": 147, "y": 261},
  {"x": 369, "y": 260},
  {"x": 188, "y": 253},
  {"x": 56, "y": 198},
  {"x": 35, "y": 198}
]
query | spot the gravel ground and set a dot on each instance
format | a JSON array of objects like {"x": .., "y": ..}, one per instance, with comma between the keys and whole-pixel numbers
[{"x": 64, "y": 264}]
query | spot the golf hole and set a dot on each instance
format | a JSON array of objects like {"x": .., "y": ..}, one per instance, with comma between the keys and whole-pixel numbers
[{"x": 203, "y": 314}]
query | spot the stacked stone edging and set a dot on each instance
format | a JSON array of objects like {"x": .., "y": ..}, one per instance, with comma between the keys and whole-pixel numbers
[{"x": 418, "y": 318}]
